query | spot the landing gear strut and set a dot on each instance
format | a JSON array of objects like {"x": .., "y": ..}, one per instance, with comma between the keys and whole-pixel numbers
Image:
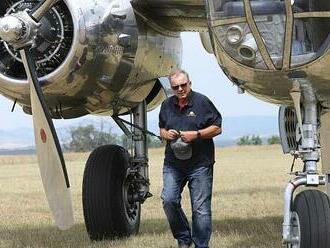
[
  {"x": 306, "y": 217},
  {"x": 115, "y": 184}
]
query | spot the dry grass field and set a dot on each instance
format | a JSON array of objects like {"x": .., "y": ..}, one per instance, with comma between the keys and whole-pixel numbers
[{"x": 247, "y": 202}]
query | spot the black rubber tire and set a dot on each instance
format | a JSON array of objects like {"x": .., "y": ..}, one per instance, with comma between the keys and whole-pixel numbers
[
  {"x": 103, "y": 195},
  {"x": 313, "y": 209}
]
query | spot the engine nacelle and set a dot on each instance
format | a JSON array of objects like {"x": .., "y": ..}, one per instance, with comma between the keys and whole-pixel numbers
[{"x": 91, "y": 57}]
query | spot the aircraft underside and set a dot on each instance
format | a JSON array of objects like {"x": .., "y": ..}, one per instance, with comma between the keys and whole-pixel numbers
[{"x": 65, "y": 59}]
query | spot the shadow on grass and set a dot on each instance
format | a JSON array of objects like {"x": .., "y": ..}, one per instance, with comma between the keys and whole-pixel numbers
[
  {"x": 252, "y": 232},
  {"x": 43, "y": 236}
]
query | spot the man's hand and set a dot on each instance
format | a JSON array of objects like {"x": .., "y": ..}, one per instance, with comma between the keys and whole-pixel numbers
[
  {"x": 188, "y": 136},
  {"x": 170, "y": 134}
]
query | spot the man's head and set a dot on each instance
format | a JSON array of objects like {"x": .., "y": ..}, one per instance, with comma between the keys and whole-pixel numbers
[{"x": 180, "y": 84}]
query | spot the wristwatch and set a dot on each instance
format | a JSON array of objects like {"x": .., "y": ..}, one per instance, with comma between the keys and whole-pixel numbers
[{"x": 199, "y": 134}]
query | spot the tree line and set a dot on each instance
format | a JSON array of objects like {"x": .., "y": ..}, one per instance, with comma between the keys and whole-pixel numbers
[
  {"x": 256, "y": 140},
  {"x": 86, "y": 138}
]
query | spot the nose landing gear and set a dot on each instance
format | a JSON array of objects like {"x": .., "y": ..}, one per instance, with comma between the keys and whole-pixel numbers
[{"x": 307, "y": 215}]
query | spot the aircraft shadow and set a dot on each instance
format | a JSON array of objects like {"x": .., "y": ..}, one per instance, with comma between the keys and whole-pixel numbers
[
  {"x": 250, "y": 232},
  {"x": 43, "y": 236}
]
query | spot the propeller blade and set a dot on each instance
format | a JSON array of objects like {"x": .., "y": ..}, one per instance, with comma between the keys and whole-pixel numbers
[
  {"x": 50, "y": 157},
  {"x": 41, "y": 8}
]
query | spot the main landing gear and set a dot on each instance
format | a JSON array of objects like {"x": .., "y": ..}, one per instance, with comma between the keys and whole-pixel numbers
[
  {"x": 115, "y": 184},
  {"x": 306, "y": 215}
]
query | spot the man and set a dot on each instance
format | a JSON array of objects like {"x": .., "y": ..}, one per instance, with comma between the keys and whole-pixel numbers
[{"x": 188, "y": 121}]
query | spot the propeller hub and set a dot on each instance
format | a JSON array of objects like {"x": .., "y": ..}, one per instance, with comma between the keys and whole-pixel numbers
[
  {"x": 19, "y": 29},
  {"x": 11, "y": 28}
]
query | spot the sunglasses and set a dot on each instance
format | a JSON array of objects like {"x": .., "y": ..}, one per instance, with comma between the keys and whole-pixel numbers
[{"x": 176, "y": 87}]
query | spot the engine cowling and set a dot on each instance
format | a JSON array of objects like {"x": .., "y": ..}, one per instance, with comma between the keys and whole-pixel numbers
[{"x": 91, "y": 57}]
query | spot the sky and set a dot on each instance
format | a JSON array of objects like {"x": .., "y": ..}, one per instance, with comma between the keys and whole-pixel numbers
[{"x": 206, "y": 76}]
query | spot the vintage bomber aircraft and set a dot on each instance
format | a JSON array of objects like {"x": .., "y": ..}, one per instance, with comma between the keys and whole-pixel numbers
[{"x": 65, "y": 59}]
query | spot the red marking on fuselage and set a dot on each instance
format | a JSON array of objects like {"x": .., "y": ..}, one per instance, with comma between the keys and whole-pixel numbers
[{"x": 43, "y": 135}]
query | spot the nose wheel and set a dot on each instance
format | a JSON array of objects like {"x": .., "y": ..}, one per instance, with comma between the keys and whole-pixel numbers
[{"x": 310, "y": 220}]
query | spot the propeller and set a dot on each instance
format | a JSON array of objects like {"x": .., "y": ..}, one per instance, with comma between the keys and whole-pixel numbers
[{"x": 50, "y": 157}]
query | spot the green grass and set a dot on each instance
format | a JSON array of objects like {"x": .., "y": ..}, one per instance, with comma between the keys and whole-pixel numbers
[{"x": 247, "y": 202}]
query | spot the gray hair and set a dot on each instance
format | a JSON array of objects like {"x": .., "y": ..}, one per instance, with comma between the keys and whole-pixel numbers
[{"x": 177, "y": 73}]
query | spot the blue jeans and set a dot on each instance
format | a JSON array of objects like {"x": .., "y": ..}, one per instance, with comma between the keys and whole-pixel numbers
[{"x": 199, "y": 180}]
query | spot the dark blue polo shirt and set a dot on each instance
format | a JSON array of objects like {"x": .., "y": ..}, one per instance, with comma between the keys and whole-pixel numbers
[{"x": 198, "y": 114}]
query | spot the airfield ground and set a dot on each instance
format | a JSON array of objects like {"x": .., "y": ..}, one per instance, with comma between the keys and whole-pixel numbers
[{"x": 247, "y": 202}]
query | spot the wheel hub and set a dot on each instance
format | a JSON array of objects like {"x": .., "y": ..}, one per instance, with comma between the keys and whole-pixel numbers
[
  {"x": 131, "y": 206},
  {"x": 295, "y": 230}
]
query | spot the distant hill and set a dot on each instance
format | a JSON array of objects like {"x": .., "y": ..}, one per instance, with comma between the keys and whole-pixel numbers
[
  {"x": 16, "y": 138},
  {"x": 22, "y": 140},
  {"x": 18, "y": 151}
]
